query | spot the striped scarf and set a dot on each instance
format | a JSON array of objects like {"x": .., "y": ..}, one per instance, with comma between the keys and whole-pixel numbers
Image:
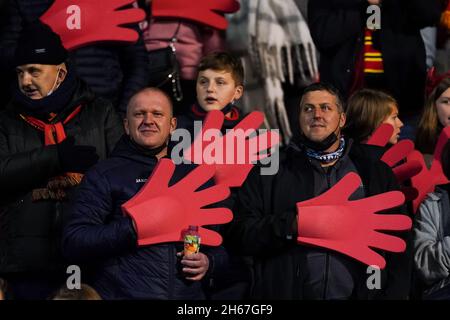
[{"x": 327, "y": 157}]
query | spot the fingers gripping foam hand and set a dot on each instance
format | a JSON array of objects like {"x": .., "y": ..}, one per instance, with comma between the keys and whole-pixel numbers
[
  {"x": 161, "y": 212},
  {"x": 428, "y": 179},
  {"x": 236, "y": 151},
  {"x": 352, "y": 227},
  {"x": 83, "y": 22},
  {"x": 208, "y": 12}
]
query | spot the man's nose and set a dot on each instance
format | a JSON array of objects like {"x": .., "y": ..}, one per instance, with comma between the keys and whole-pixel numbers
[
  {"x": 25, "y": 80},
  {"x": 317, "y": 113},
  {"x": 148, "y": 118}
]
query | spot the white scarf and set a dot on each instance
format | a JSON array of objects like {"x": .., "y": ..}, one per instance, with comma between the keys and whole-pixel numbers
[{"x": 273, "y": 36}]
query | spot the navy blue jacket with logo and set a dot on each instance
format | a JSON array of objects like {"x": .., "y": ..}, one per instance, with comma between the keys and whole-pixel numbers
[{"x": 99, "y": 236}]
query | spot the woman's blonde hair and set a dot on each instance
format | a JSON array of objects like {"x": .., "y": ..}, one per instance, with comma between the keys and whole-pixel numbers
[
  {"x": 366, "y": 110},
  {"x": 429, "y": 126}
]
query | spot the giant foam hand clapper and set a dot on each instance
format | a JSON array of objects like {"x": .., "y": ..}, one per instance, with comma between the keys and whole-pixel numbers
[
  {"x": 83, "y": 22},
  {"x": 208, "y": 12},
  {"x": 236, "y": 151},
  {"x": 428, "y": 179},
  {"x": 161, "y": 212},
  {"x": 350, "y": 227},
  {"x": 396, "y": 154}
]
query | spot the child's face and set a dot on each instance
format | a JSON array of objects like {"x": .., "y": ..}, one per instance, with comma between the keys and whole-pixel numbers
[
  {"x": 216, "y": 89},
  {"x": 394, "y": 121}
]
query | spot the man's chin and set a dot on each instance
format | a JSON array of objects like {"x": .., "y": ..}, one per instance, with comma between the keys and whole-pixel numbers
[{"x": 32, "y": 96}]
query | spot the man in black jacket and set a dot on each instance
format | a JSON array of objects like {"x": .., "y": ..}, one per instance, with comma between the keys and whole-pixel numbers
[
  {"x": 391, "y": 57},
  {"x": 265, "y": 222},
  {"x": 53, "y": 131},
  {"x": 99, "y": 235},
  {"x": 114, "y": 71}
]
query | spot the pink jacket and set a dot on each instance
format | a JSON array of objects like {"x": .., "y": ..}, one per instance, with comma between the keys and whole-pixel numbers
[{"x": 193, "y": 42}]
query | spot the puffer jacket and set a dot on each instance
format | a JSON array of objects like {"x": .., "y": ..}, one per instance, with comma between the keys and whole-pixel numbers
[
  {"x": 30, "y": 231},
  {"x": 98, "y": 234}
]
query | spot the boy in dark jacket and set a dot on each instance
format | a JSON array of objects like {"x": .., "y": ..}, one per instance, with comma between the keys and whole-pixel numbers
[{"x": 220, "y": 83}]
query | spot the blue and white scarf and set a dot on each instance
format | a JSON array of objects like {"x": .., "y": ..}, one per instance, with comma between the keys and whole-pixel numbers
[{"x": 327, "y": 157}]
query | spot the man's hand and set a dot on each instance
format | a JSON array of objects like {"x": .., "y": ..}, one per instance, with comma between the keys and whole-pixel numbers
[
  {"x": 195, "y": 265},
  {"x": 161, "y": 212},
  {"x": 83, "y": 22},
  {"x": 208, "y": 12},
  {"x": 376, "y": 2},
  {"x": 352, "y": 227},
  {"x": 232, "y": 172}
]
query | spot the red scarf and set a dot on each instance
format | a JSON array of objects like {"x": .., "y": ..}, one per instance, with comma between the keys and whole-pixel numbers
[
  {"x": 56, "y": 186},
  {"x": 234, "y": 113},
  {"x": 51, "y": 129}
]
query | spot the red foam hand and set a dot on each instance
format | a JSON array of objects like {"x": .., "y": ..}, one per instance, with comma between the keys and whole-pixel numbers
[
  {"x": 428, "y": 179},
  {"x": 83, "y": 22},
  {"x": 381, "y": 135},
  {"x": 161, "y": 213},
  {"x": 395, "y": 154},
  {"x": 234, "y": 152},
  {"x": 349, "y": 227},
  {"x": 208, "y": 12}
]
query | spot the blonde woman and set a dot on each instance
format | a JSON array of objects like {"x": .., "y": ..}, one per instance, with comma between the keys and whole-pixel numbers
[{"x": 366, "y": 110}]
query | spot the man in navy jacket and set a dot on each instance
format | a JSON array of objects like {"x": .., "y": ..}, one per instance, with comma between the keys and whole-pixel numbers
[{"x": 99, "y": 234}]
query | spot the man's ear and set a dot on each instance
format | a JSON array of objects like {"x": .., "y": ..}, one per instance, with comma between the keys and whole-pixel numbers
[
  {"x": 62, "y": 72},
  {"x": 173, "y": 124},
  {"x": 342, "y": 120},
  {"x": 125, "y": 126}
]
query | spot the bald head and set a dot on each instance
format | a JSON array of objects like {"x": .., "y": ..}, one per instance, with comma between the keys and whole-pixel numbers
[{"x": 149, "y": 92}]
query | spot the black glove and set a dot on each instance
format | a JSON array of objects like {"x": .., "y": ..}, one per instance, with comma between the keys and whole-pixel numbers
[{"x": 74, "y": 158}]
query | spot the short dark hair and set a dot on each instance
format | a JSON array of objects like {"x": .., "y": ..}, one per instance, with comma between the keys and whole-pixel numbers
[
  {"x": 224, "y": 61},
  {"x": 324, "y": 86}
]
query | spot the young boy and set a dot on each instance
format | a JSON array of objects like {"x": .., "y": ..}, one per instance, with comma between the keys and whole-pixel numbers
[{"x": 220, "y": 82}]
